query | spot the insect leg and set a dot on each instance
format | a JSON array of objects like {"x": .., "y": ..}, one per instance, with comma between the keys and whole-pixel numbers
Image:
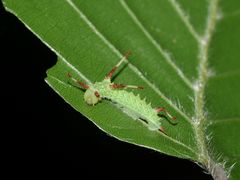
[
  {"x": 119, "y": 86},
  {"x": 162, "y": 109},
  {"x": 82, "y": 85},
  {"x": 110, "y": 74}
]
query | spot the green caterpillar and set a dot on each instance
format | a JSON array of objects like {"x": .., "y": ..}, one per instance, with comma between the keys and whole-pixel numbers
[{"x": 130, "y": 103}]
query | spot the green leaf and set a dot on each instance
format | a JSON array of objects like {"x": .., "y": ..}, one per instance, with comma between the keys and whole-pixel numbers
[{"x": 185, "y": 54}]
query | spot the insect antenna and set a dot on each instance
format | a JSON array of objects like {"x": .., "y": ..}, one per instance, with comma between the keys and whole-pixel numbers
[
  {"x": 110, "y": 74},
  {"x": 79, "y": 83},
  {"x": 172, "y": 119}
]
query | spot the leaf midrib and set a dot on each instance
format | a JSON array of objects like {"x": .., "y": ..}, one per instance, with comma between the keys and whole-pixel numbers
[{"x": 200, "y": 115}]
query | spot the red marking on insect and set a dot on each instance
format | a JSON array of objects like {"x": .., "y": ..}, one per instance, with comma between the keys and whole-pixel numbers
[
  {"x": 85, "y": 86},
  {"x": 97, "y": 94},
  {"x": 115, "y": 86},
  {"x": 110, "y": 74},
  {"x": 160, "y": 109}
]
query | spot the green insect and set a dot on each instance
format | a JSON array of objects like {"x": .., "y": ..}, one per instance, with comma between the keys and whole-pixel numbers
[{"x": 130, "y": 103}]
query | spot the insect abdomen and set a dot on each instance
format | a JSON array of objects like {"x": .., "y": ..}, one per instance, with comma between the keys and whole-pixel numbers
[{"x": 134, "y": 106}]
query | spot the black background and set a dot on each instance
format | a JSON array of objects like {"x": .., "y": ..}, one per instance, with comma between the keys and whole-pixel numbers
[{"x": 45, "y": 136}]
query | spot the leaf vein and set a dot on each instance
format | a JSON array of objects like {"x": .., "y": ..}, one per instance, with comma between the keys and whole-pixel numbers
[
  {"x": 225, "y": 120},
  {"x": 156, "y": 44},
  {"x": 185, "y": 19}
]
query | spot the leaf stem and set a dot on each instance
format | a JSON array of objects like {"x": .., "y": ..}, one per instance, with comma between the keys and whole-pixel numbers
[{"x": 214, "y": 168}]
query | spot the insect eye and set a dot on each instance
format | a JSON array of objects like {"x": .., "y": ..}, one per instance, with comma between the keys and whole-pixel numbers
[{"x": 97, "y": 94}]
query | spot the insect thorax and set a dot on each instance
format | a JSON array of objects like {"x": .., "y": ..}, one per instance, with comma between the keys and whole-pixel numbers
[{"x": 91, "y": 94}]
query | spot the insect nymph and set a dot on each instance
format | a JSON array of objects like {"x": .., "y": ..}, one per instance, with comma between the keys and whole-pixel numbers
[{"x": 130, "y": 103}]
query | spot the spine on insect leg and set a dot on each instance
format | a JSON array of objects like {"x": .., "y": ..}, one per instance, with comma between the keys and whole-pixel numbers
[{"x": 135, "y": 106}]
